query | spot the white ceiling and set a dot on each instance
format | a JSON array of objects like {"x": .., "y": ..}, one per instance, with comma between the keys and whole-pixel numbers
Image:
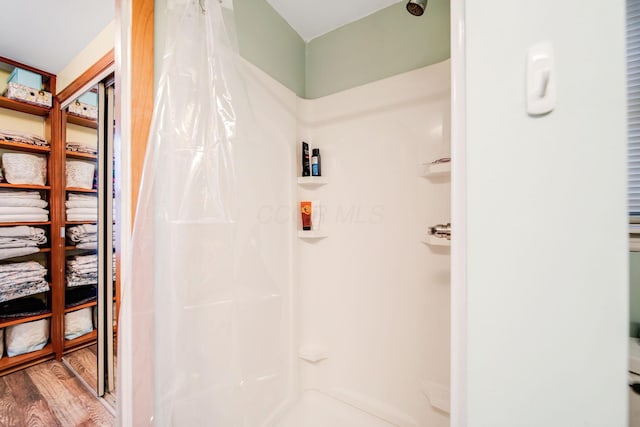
[
  {"x": 48, "y": 34},
  {"x": 313, "y": 18}
]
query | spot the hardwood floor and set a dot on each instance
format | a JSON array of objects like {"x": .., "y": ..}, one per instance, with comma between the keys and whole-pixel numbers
[
  {"x": 46, "y": 395},
  {"x": 85, "y": 363}
]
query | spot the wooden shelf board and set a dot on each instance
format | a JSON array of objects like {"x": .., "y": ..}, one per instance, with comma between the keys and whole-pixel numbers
[
  {"x": 4, "y": 324},
  {"x": 80, "y": 306},
  {"x": 16, "y": 362},
  {"x": 23, "y": 107},
  {"x": 81, "y": 190},
  {"x": 10, "y": 145},
  {"x": 85, "y": 339},
  {"x": 13, "y": 224},
  {"x": 82, "y": 121},
  {"x": 73, "y": 248},
  {"x": 80, "y": 222},
  {"x": 77, "y": 155},
  {"x": 27, "y": 186}
]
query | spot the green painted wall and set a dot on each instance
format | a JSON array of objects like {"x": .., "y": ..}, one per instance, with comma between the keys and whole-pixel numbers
[
  {"x": 266, "y": 40},
  {"x": 381, "y": 45},
  {"x": 386, "y": 43},
  {"x": 634, "y": 293}
]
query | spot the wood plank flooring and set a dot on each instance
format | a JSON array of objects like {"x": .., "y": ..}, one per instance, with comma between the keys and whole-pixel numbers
[
  {"x": 46, "y": 395},
  {"x": 85, "y": 363}
]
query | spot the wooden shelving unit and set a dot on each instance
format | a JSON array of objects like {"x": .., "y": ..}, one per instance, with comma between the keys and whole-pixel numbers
[
  {"x": 80, "y": 306},
  {"x": 51, "y": 255},
  {"x": 25, "y": 186},
  {"x": 81, "y": 190},
  {"x": 81, "y": 156},
  {"x": 26, "y": 319},
  {"x": 23, "y": 107},
  {"x": 20, "y": 146},
  {"x": 15, "y": 363},
  {"x": 55, "y": 255},
  {"x": 82, "y": 121},
  {"x": 83, "y": 341}
]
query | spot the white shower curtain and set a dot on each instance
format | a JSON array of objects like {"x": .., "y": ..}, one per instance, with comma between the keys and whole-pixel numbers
[{"x": 210, "y": 303}]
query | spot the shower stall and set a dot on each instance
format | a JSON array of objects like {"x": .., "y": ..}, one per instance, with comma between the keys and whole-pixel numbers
[{"x": 241, "y": 318}]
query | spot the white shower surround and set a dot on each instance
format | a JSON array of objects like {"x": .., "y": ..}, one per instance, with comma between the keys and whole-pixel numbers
[{"x": 371, "y": 294}]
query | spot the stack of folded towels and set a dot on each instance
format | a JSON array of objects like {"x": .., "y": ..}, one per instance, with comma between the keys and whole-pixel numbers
[
  {"x": 21, "y": 279},
  {"x": 79, "y": 147},
  {"x": 22, "y": 206},
  {"x": 82, "y": 270},
  {"x": 82, "y": 207},
  {"x": 22, "y": 137},
  {"x": 20, "y": 240},
  {"x": 84, "y": 236}
]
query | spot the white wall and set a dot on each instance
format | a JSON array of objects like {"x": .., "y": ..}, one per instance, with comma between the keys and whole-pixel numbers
[
  {"x": 546, "y": 245},
  {"x": 96, "y": 49},
  {"x": 371, "y": 293}
]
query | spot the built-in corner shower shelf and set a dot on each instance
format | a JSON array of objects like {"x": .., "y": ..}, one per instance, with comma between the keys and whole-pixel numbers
[
  {"x": 436, "y": 241},
  {"x": 312, "y": 234},
  {"x": 428, "y": 170},
  {"x": 312, "y": 180}
]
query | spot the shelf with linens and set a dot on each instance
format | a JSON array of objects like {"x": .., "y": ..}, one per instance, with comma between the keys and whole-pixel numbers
[
  {"x": 81, "y": 215},
  {"x": 28, "y": 200}
]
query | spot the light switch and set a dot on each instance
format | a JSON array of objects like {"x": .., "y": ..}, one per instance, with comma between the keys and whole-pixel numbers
[{"x": 541, "y": 79}]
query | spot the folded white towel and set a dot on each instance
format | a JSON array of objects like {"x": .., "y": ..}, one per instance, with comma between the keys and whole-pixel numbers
[
  {"x": 16, "y": 252},
  {"x": 81, "y": 217},
  {"x": 87, "y": 245},
  {"x": 20, "y": 194},
  {"x": 19, "y": 210},
  {"x": 79, "y": 204},
  {"x": 22, "y": 231},
  {"x": 76, "y": 196},
  {"x": 76, "y": 211},
  {"x": 12, "y": 242},
  {"x": 22, "y": 266},
  {"x": 22, "y": 201},
  {"x": 24, "y": 218}
]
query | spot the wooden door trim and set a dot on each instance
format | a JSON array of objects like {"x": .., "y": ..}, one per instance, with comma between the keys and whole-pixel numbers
[{"x": 85, "y": 78}]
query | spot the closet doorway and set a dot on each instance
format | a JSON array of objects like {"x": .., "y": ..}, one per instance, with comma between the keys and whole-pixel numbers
[{"x": 92, "y": 291}]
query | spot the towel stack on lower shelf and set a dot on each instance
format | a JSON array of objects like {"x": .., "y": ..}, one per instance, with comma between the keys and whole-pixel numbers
[
  {"x": 82, "y": 270},
  {"x": 83, "y": 236},
  {"x": 23, "y": 307},
  {"x": 22, "y": 206},
  {"x": 82, "y": 207},
  {"x": 22, "y": 279},
  {"x": 80, "y": 147},
  {"x": 20, "y": 240},
  {"x": 23, "y": 137}
]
